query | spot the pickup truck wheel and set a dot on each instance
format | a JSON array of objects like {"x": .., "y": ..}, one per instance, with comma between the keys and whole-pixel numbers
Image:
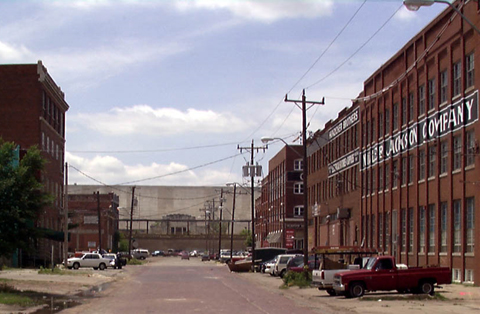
[
  {"x": 427, "y": 287},
  {"x": 102, "y": 266},
  {"x": 282, "y": 273},
  {"x": 357, "y": 290},
  {"x": 76, "y": 266},
  {"x": 331, "y": 292}
]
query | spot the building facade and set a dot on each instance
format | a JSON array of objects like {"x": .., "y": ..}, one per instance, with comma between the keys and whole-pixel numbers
[
  {"x": 333, "y": 181},
  {"x": 94, "y": 221},
  {"x": 279, "y": 210},
  {"x": 419, "y": 149},
  {"x": 398, "y": 170},
  {"x": 32, "y": 112}
]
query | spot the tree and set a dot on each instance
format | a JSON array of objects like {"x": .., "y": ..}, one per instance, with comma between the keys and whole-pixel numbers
[
  {"x": 248, "y": 237},
  {"x": 21, "y": 197}
]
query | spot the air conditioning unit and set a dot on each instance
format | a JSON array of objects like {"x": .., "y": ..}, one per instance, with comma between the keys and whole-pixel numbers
[{"x": 343, "y": 213}]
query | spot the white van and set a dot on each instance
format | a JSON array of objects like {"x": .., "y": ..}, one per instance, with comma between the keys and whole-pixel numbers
[
  {"x": 280, "y": 267},
  {"x": 140, "y": 253}
]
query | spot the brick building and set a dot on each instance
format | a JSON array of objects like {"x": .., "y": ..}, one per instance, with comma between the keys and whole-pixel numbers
[
  {"x": 333, "y": 187},
  {"x": 32, "y": 112},
  {"x": 86, "y": 211},
  {"x": 279, "y": 210},
  {"x": 419, "y": 148},
  {"x": 398, "y": 170}
]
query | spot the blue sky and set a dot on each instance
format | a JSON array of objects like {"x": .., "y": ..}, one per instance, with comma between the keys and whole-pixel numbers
[{"x": 162, "y": 92}]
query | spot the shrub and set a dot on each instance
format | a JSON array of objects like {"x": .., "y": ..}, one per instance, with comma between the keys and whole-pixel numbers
[{"x": 297, "y": 279}]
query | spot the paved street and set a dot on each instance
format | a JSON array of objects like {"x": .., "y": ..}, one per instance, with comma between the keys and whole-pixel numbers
[{"x": 171, "y": 285}]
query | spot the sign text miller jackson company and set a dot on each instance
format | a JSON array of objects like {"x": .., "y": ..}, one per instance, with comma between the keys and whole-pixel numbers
[{"x": 438, "y": 124}]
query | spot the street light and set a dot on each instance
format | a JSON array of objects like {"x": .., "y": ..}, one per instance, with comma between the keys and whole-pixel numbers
[
  {"x": 305, "y": 198},
  {"x": 414, "y": 5}
]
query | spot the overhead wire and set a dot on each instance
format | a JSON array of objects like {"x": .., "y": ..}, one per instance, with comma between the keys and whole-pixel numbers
[
  {"x": 317, "y": 60},
  {"x": 149, "y": 151},
  {"x": 356, "y": 51}
]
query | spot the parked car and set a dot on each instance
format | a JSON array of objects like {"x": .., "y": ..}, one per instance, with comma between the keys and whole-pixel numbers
[
  {"x": 125, "y": 256},
  {"x": 382, "y": 274},
  {"x": 205, "y": 257},
  {"x": 140, "y": 253},
  {"x": 184, "y": 255},
  {"x": 280, "y": 267},
  {"x": 158, "y": 253},
  {"x": 114, "y": 260},
  {"x": 94, "y": 260},
  {"x": 267, "y": 266}
]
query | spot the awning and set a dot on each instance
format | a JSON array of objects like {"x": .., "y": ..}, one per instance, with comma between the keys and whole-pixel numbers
[{"x": 274, "y": 238}]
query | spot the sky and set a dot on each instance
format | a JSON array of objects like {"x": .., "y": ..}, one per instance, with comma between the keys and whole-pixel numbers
[{"x": 166, "y": 92}]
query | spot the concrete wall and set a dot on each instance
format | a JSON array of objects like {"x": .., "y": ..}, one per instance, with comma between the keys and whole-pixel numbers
[{"x": 155, "y": 202}]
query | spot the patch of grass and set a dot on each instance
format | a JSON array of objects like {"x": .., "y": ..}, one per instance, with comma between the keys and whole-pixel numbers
[
  {"x": 15, "y": 299},
  {"x": 49, "y": 271},
  {"x": 135, "y": 261},
  {"x": 296, "y": 279},
  {"x": 10, "y": 296}
]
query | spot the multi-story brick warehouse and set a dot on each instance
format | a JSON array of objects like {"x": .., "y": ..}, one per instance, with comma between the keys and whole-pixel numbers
[
  {"x": 86, "y": 210},
  {"x": 32, "y": 112},
  {"x": 419, "y": 149},
  {"x": 333, "y": 188},
  {"x": 279, "y": 210},
  {"x": 406, "y": 182}
]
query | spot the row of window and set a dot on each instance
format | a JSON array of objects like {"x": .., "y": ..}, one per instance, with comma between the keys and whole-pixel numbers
[
  {"x": 427, "y": 97},
  {"x": 334, "y": 149},
  {"x": 340, "y": 184},
  {"x": 431, "y": 224},
  {"x": 52, "y": 114},
  {"x": 402, "y": 170}
]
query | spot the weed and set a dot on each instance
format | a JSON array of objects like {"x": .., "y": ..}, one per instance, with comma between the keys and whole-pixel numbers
[
  {"x": 297, "y": 279},
  {"x": 135, "y": 261}
]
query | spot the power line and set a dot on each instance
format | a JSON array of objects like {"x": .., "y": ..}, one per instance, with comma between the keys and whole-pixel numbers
[
  {"x": 356, "y": 51},
  {"x": 149, "y": 151},
  {"x": 303, "y": 76}
]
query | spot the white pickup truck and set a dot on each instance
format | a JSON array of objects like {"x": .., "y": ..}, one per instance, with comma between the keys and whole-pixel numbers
[
  {"x": 323, "y": 278},
  {"x": 91, "y": 260}
]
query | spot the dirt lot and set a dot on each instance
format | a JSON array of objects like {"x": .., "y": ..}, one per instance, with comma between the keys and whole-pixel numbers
[
  {"x": 67, "y": 288},
  {"x": 456, "y": 298}
]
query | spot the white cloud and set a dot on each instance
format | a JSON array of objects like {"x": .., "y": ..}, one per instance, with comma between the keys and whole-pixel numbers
[
  {"x": 105, "y": 61},
  {"x": 266, "y": 11},
  {"x": 110, "y": 170},
  {"x": 12, "y": 53},
  {"x": 145, "y": 120}
]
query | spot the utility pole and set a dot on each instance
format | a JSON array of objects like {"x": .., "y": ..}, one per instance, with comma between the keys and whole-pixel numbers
[
  {"x": 220, "y": 225},
  {"x": 131, "y": 222},
  {"x": 253, "y": 171},
  {"x": 99, "y": 223},
  {"x": 233, "y": 219},
  {"x": 65, "y": 216},
  {"x": 305, "y": 172}
]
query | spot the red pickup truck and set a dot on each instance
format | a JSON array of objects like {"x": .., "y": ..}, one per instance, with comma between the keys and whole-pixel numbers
[{"x": 381, "y": 274}]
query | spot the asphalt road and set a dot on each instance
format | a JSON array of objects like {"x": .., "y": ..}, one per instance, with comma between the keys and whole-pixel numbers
[{"x": 171, "y": 285}]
